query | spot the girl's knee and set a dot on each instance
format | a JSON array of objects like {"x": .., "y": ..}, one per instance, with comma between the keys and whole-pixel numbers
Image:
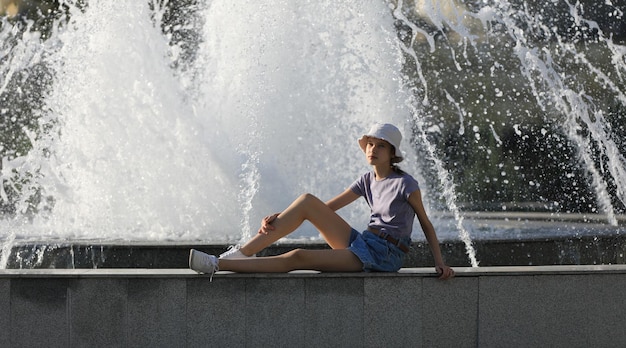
[{"x": 308, "y": 198}]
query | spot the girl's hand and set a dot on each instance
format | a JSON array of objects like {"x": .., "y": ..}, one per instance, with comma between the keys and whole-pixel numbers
[
  {"x": 266, "y": 224},
  {"x": 444, "y": 272}
]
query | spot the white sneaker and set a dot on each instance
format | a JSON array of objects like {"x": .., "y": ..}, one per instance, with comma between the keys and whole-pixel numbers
[
  {"x": 233, "y": 252},
  {"x": 202, "y": 262}
]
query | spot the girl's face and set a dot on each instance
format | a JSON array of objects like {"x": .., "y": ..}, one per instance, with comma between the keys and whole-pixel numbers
[{"x": 378, "y": 152}]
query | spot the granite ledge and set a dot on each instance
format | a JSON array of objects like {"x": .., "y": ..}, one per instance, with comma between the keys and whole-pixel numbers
[{"x": 404, "y": 272}]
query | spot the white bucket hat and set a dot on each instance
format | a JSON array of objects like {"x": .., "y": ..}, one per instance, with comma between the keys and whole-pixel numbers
[{"x": 387, "y": 132}]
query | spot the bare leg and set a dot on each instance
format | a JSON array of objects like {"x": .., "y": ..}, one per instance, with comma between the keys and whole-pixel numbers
[
  {"x": 333, "y": 228},
  {"x": 334, "y": 260}
]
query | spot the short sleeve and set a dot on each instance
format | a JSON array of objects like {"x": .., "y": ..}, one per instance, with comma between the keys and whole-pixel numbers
[
  {"x": 410, "y": 185},
  {"x": 358, "y": 186}
]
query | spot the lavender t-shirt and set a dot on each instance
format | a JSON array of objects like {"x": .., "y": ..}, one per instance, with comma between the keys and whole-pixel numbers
[{"x": 388, "y": 201}]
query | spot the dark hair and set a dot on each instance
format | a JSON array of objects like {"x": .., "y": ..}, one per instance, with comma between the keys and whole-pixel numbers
[
  {"x": 394, "y": 165},
  {"x": 397, "y": 169}
]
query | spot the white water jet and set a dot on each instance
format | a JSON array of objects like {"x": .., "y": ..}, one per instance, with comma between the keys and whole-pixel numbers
[
  {"x": 445, "y": 181},
  {"x": 134, "y": 149}
]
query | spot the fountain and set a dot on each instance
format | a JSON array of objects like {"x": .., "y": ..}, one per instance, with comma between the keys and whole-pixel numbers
[{"x": 184, "y": 122}]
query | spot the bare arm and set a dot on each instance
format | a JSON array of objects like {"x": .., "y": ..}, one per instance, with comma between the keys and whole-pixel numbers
[
  {"x": 415, "y": 199},
  {"x": 342, "y": 199}
]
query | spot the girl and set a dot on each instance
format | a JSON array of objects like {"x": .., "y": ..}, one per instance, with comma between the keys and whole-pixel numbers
[{"x": 394, "y": 199}]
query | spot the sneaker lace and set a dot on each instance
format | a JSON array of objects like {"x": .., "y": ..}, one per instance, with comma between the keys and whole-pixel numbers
[
  {"x": 212, "y": 263},
  {"x": 214, "y": 266}
]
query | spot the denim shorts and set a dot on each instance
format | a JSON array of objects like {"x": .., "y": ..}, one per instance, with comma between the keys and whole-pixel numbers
[{"x": 376, "y": 254}]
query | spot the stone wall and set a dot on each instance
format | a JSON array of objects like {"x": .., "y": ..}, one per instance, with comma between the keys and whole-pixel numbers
[{"x": 556, "y": 306}]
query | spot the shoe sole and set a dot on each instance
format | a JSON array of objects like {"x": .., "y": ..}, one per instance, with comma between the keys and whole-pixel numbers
[{"x": 191, "y": 252}]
